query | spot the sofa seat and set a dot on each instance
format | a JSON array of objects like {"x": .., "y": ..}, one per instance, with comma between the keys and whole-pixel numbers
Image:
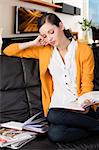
[{"x": 43, "y": 143}]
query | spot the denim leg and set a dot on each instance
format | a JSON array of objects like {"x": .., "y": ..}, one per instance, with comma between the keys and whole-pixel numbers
[
  {"x": 97, "y": 114},
  {"x": 61, "y": 133},
  {"x": 60, "y": 116}
]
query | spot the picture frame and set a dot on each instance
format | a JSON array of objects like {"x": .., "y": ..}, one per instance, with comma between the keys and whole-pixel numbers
[{"x": 26, "y": 20}]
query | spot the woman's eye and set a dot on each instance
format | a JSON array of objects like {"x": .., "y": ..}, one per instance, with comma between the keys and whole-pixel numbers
[
  {"x": 44, "y": 36},
  {"x": 52, "y": 31}
]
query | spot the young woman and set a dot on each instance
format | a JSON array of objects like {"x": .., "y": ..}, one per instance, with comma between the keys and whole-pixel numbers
[{"x": 66, "y": 72}]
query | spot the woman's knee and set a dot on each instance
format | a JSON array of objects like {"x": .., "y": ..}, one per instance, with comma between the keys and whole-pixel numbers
[
  {"x": 51, "y": 116},
  {"x": 60, "y": 133},
  {"x": 55, "y": 133}
]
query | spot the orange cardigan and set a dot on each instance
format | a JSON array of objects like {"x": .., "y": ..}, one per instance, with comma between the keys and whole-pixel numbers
[{"x": 84, "y": 64}]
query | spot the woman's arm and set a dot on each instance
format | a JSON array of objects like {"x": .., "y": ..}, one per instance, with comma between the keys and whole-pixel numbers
[
  {"x": 87, "y": 70},
  {"x": 87, "y": 73},
  {"x": 26, "y": 49}
]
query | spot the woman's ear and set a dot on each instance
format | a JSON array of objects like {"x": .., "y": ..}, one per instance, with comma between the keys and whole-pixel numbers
[{"x": 61, "y": 26}]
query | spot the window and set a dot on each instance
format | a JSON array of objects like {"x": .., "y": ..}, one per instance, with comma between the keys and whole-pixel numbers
[{"x": 94, "y": 11}]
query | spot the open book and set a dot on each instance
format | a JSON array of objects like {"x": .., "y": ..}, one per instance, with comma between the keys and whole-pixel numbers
[
  {"x": 35, "y": 123},
  {"x": 77, "y": 105},
  {"x": 14, "y": 138}
]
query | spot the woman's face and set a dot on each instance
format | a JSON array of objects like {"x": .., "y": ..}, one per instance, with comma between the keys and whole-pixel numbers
[{"x": 51, "y": 33}]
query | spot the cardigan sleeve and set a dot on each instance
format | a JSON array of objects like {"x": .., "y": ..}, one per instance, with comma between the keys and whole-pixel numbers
[
  {"x": 14, "y": 50},
  {"x": 87, "y": 69}
]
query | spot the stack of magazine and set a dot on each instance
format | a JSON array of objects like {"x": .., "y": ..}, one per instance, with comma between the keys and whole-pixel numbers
[
  {"x": 16, "y": 134},
  {"x": 14, "y": 138}
]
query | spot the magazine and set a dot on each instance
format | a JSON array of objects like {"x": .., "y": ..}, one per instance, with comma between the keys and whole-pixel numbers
[
  {"x": 18, "y": 145},
  {"x": 34, "y": 123},
  {"x": 15, "y": 138},
  {"x": 77, "y": 105}
]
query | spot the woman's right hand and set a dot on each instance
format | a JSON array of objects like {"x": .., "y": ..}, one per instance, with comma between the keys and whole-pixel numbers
[{"x": 39, "y": 41}]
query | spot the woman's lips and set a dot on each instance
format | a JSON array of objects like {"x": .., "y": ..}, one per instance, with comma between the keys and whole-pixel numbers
[{"x": 52, "y": 43}]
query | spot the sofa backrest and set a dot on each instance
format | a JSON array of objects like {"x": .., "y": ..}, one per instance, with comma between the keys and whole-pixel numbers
[{"x": 20, "y": 86}]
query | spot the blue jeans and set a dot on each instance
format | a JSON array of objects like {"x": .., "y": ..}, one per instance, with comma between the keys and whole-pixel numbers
[{"x": 66, "y": 125}]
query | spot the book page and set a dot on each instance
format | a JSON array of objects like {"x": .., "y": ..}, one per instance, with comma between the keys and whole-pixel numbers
[
  {"x": 77, "y": 105},
  {"x": 74, "y": 106},
  {"x": 13, "y": 125},
  {"x": 38, "y": 121},
  {"x": 31, "y": 119},
  {"x": 40, "y": 129},
  {"x": 93, "y": 95}
]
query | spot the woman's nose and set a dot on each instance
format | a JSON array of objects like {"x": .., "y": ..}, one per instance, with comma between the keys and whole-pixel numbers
[{"x": 50, "y": 39}]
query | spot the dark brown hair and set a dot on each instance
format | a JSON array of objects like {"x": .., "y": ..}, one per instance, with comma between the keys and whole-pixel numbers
[{"x": 54, "y": 20}]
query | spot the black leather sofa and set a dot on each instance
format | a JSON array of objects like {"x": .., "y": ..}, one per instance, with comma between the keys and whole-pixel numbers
[{"x": 20, "y": 97}]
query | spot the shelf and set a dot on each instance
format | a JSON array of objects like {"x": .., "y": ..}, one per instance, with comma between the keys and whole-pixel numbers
[
  {"x": 68, "y": 9},
  {"x": 42, "y": 3}
]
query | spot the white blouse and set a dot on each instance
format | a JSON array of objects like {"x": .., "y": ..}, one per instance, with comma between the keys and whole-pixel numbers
[{"x": 64, "y": 77}]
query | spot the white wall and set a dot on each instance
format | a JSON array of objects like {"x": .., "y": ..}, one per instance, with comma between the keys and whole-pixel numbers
[{"x": 7, "y": 15}]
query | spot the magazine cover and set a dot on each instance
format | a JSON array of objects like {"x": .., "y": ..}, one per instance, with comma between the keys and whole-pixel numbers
[{"x": 15, "y": 138}]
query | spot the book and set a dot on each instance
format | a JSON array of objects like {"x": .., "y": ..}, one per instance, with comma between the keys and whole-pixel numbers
[
  {"x": 93, "y": 96},
  {"x": 15, "y": 138},
  {"x": 77, "y": 103},
  {"x": 34, "y": 123}
]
